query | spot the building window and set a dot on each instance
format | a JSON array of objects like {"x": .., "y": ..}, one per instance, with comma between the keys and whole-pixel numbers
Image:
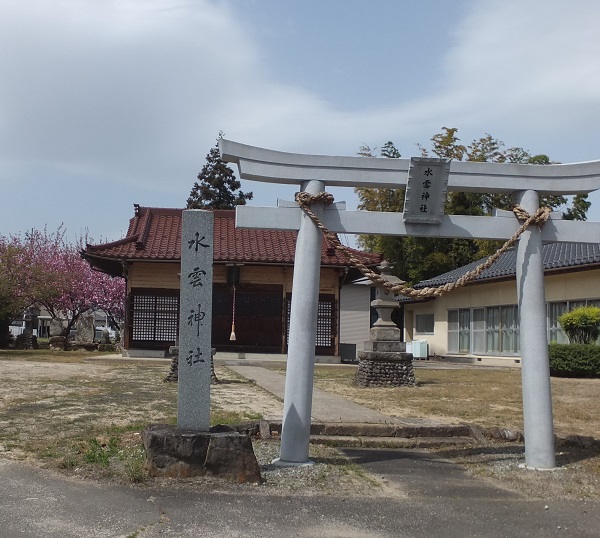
[
  {"x": 509, "y": 330},
  {"x": 154, "y": 318},
  {"x": 555, "y": 332},
  {"x": 491, "y": 330},
  {"x": 459, "y": 330},
  {"x": 478, "y": 330},
  {"x": 326, "y": 323},
  {"x": 494, "y": 330},
  {"x": 424, "y": 323},
  {"x": 555, "y": 310}
]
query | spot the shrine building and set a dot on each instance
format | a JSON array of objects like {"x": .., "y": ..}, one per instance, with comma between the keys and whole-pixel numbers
[{"x": 252, "y": 280}]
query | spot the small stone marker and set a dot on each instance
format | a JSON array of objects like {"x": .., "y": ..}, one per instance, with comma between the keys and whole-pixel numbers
[
  {"x": 195, "y": 321},
  {"x": 84, "y": 330},
  {"x": 105, "y": 338}
]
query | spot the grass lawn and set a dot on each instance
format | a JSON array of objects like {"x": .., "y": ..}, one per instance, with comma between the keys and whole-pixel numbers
[
  {"x": 487, "y": 397},
  {"x": 85, "y": 418},
  {"x": 72, "y": 414}
]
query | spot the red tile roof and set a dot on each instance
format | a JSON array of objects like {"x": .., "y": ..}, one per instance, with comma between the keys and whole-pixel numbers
[{"x": 154, "y": 234}]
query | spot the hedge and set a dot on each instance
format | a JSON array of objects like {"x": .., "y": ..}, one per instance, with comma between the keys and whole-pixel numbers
[
  {"x": 574, "y": 360},
  {"x": 582, "y": 324}
]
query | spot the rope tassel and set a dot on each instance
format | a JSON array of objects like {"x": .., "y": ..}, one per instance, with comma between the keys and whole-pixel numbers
[{"x": 232, "y": 336}]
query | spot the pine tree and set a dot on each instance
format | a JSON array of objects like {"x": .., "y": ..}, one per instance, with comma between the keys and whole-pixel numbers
[{"x": 217, "y": 185}]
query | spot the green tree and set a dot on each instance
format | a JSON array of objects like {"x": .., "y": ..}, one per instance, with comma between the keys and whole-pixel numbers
[
  {"x": 383, "y": 200},
  {"x": 578, "y": 209},
  {"x": 416, "y": 259},
  {"x": 217, "y": 185}
]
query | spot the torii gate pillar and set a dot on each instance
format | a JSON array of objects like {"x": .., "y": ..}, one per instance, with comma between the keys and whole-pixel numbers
[
  {"x": 311, "y": 172},
  {"x": 295, "y": 429},
  {"x": 535, "y": 369}
]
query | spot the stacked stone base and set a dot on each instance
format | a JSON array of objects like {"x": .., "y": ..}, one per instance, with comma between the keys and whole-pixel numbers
[
  {"x": 385, "y": 369},
  {"x": 26, "y": 341},
  {"x": 57, "y": 342},
  {"x": 220, "y": 452}
]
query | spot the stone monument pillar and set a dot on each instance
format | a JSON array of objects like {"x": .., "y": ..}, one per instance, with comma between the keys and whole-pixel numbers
[
  {"x": 384, "y": 361},
  {"x": 28, "y": 340},
  {"x": 193, "y": 448},
  {"x": 85, "y": 331}
]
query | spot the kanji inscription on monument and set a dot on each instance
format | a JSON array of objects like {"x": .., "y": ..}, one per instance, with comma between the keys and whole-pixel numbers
[
  {"x": 426, "y": 190},
  {"x": 193, "y": 407}
]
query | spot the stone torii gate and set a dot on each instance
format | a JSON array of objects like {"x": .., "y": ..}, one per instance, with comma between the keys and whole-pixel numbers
[{"x": 426, "y": 182}]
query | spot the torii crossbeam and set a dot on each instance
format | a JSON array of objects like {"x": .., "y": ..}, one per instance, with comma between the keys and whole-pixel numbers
[{"x": 525, "y": 182}]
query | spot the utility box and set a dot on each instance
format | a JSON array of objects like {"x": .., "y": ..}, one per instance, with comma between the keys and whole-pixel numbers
[{"x": 420, "y": 349}]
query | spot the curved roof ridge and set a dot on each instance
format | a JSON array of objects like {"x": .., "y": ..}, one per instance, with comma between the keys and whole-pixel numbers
[
  {"x": 117, "y": 243},
  {"x": 555, "y": 256},
  {"x": 155, "y": 235}
]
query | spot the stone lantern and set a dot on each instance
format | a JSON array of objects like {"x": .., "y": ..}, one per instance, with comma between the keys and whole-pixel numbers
[
  {"x": 384, "y": 361},
  {"x": 385, "y": 304}
]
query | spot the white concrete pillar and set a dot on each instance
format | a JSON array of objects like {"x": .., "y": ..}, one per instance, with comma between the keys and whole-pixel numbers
[
  {"x": 535, "y": 367},
  {"x": 297, "y": 405}
]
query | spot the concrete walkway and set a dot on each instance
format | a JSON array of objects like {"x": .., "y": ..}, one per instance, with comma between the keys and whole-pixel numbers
[
  {"x": 326, "y": 407},
  {"x": 427, "y": 497}
]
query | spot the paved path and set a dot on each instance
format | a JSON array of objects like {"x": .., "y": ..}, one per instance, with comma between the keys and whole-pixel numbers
[
  {"x": 38, "y": 503},
  {"x": 326, "y": 407}
]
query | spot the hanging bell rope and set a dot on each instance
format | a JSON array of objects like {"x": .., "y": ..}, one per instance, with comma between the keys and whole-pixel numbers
[{"x": 232, "y": 337}]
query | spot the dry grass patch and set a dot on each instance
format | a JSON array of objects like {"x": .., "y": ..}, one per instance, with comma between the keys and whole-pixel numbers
[
  {"x": 45, "y": 355},
  {"x": 58, "y": 409},
  {"x": 487, "y": 397},
  {"x": 85, "y": 418}
]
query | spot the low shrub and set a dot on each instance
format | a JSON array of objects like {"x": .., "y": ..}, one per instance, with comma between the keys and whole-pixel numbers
[
  {"x": 574, "y": 360},
  {"x": 582, "y": 324}
]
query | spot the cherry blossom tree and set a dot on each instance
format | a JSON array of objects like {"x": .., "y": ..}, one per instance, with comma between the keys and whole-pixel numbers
[
  {"x": 44, "y": 269},
  {"x": 80, "y": 288},
  {"x": 23, "y": 277}
]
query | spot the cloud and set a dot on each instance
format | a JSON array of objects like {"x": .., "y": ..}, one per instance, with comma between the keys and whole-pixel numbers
[
  {"x": 132, "y": 94},
  {"x": 527, "y": 66},
  {"x": 103, "y": 87},
  {"x": 526, "y": 72}
]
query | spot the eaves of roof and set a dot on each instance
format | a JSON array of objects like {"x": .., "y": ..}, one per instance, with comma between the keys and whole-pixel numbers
[
  {"x": 556, "y": 257},
  {"x": 154, "y": 234}
]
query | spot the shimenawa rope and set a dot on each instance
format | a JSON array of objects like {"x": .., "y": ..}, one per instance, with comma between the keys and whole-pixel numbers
[{"x": 305, "y": 200}]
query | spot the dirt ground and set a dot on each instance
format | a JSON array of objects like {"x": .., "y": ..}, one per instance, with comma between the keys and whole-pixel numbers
[
  {"x": 41, "y": 395},
  {"x": 65, "y": 413},
  {"x": 85, "y": 418}
]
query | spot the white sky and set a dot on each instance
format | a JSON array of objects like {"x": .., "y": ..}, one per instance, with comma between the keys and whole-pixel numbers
[{"x": 104, "y": 104}]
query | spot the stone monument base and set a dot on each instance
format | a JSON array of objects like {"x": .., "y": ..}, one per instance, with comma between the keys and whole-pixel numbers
[
  {"x": 26, "y": 341},
  {"x": 385, "y": 369},
  {"x": 221, "y": 452}
]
